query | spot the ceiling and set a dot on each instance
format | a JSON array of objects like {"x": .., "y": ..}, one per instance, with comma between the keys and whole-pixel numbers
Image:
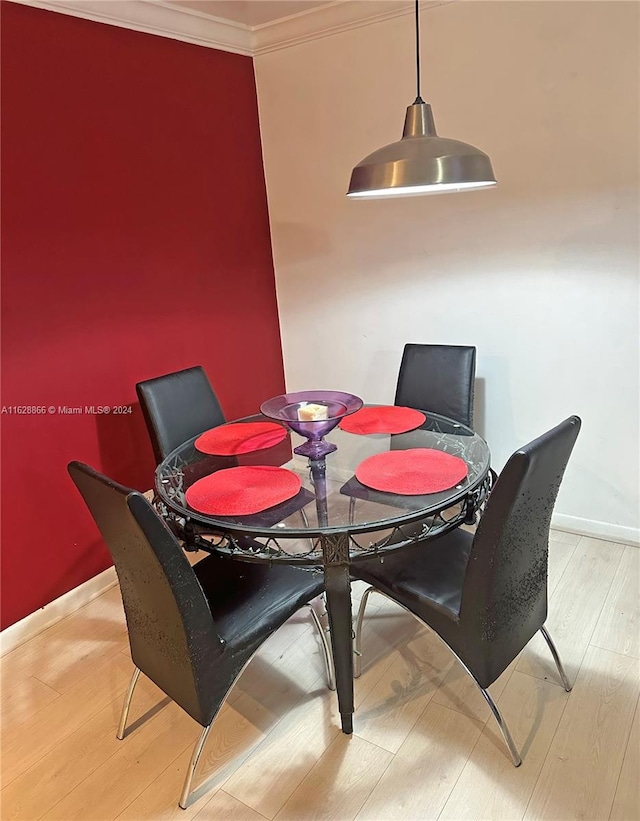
[{"x": 249, "y": 12}]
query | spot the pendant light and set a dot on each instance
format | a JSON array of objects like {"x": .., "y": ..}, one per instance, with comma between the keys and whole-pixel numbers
[{"x": 421, "y": 162}]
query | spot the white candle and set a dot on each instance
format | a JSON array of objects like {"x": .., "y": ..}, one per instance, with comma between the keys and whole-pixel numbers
[{"x": 313, "y": 413}]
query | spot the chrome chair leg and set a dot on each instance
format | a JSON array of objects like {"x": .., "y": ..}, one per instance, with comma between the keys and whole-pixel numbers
[
  {"x": 195, "y": 757},
  {"x": 197, "y": 750},
  {"x": 357, "y": 644},
  {"x": 352, "y": 509},
  {"x": 326, "y": 649},
  {"x": 513, "y": 750},
  {"x": 127, "y": 703},
  {"x": 565, "y": 681}
]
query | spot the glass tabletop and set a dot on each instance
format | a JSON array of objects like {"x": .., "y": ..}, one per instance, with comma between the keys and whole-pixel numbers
[{"x": 331, "y": 499}]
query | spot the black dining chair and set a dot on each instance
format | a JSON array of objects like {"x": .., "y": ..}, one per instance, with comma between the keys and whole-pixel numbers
[
  {"x": 485, "y": 595},
  {"x": 438, "y": 378},
  {"x": 178, "y": 406},
  {"x": 192, "y": 630}
]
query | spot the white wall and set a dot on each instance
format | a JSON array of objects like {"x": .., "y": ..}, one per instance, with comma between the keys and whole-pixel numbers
[{"x": 541, "y": 273}]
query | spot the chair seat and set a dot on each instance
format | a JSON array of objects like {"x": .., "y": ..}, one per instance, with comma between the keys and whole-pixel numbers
[
  {"x": 430, "y": 571},
  {"x": 249, "y": 600}
]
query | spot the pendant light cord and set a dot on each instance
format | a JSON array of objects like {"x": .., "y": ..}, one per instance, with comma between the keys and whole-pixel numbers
[{"x": 418, "y": 99}]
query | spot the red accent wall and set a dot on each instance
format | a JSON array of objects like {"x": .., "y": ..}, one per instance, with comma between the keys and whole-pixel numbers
[{"x": 136, "y": 242}]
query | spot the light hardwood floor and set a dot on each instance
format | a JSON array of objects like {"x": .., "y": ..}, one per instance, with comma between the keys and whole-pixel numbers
[{"x": 424, "y": 746}]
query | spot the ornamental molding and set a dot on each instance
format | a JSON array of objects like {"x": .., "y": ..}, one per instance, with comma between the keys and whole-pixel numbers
[
  {"x": 166, "y": 19},
  {"x": 160, "y": 18},
  {"x": 325, "y": 21}
]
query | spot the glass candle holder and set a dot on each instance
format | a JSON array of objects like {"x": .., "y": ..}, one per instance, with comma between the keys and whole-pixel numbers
[{"x": 290, "y": 407}]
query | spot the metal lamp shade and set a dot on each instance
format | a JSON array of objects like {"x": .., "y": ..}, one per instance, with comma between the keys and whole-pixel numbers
[{"x": 420, "y": 163}]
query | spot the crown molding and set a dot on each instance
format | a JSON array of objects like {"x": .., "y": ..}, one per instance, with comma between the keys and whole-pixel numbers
[
  {"x": 159, "y": 18},
  {"x": 164, "y": 19},
  {"x": 327, "y": 20}
]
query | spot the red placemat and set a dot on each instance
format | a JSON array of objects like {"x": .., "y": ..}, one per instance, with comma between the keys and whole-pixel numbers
[
  {"x": 243, "y": 490},
  {"x": 385, "y": 419},
  {"x": 240, "y": 437},
  {"x": 411, "y": 472}
]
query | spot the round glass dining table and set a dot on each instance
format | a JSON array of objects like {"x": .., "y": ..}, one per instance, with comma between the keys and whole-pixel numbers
[{"x": 334, "y": 519}]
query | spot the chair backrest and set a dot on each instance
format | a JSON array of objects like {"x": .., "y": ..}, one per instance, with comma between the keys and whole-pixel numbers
[
  {"x": 439, "y": 378},
  {"x": 504, "y": 595},
  {"x": 178, "y": 406},
  {"x": 171, "y": 631}
]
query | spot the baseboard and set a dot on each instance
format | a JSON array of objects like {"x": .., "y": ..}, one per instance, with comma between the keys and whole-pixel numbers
[
  {"x": 597, "y": 530},
  {"x": 55, "y": 611}
]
